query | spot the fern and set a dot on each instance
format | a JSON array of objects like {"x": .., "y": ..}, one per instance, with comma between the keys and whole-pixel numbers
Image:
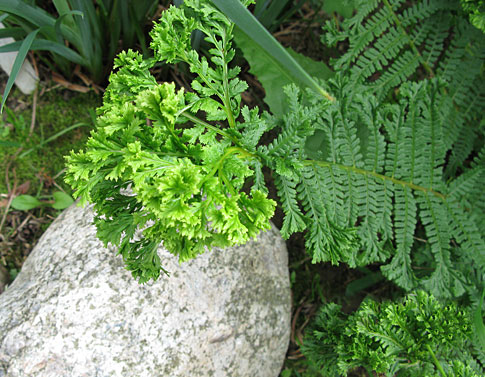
[
  {"x": 186, "y": 174},
  {"x": 396, "y": 177},
  {"x": 416, "y": 336},
  {"x": 380, "y": 181}
]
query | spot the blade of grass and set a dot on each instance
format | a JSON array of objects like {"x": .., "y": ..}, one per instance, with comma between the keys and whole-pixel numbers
[
  {"x": 127, "y": 22},
  {"x": 62, "y": 7},
  {"x": 268, "y": 17},
  {"x": 19, "y": 60},
  {"x": 53, "y": 137},
  {"x": 251, "y": 26},
  {"x": 272, "y": 76},
  {"x": 59, "y": 21},
  {"x": 114, "y": 21},
  {"x": 261, "y": 6},
  {"x": 46, "y": 45},
  {"x": 92, "y": 44},
  {"x": 12, "y": 32},
  {"x": 36, "y": 16}
]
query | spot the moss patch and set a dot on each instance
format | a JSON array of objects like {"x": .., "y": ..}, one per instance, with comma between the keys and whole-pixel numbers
[{"x": 40, "y": 161}]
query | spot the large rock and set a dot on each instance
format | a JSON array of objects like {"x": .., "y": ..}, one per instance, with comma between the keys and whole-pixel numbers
[{"x": 74, "y": 311}]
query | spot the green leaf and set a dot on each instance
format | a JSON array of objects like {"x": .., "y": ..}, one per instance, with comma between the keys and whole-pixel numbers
[
  {"x": 19, "y": 60},
  {"x": 274, "y": 76},
  {"x": 61, "y": 19},
  {"x": 61, "y": 200},
  {"x": 25, "y": 202},
  {"x": 12, "y": 32},
  {"x": 343, "y": 7},
  {"x": 286, "y": 373}
]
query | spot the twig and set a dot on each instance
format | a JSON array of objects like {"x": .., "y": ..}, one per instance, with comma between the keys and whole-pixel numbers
[
  {"x": 21, "y": 225},
  {"x": 34, "y": 111},
  {"x": 293, "y": 323},
  {"x": 10, "y": 198}
]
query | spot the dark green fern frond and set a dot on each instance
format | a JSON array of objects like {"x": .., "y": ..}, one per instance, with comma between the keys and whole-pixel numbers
[
  {"x": 294, "y": 220},
  {"x": 326, "y": 240},
  {"x": 392, "y": 40},
  {"x": 285, "y": 153},
  {"x": 380, "y": 182},
  {"x": 413, "y": 337},
  {"x": 400, "y": 268}
]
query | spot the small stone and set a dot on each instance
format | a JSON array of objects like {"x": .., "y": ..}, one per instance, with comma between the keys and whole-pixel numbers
[{"x": 74, "y": 310}]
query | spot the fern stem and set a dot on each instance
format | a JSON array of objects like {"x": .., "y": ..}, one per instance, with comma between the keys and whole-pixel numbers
[
  {"x": 227, "y": 182},
  {"x": 225, "y": 81},
  {"x": 410, "y": 41},
  {"x": 209, "y": 126},
  {"x": 376, "y": 175},
  {"x": 435, "y": 360},
  {"x": 229, "y": 151}
]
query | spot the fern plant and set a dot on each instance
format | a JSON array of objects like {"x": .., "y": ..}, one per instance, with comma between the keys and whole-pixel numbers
[
  {"x": 392, "y": 158},
  {"x": 395, "y": 179},
  {"x": 416, "y": 336}
]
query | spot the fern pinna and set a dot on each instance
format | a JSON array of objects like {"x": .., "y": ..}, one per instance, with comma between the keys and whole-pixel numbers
[{"x": 395, "y": 178}]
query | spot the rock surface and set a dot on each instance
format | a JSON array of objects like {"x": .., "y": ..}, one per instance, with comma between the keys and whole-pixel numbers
[{"x": 74, "y": 311}]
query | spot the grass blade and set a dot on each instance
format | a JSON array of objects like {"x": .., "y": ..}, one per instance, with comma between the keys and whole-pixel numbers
[
  {"x": 12, "y": 32},
  {"x": 19, "y": 60},
  {"x": 62, "y": 7},
  {"x": 35, "y": 15},
  {"x": 53, "y": 137},
  {"x": 59, "y": 21},
  {"x": 46, "y": 45},
  {"x": 92, "y": 40},
  {"x": 271, "y": 13},
  {"x": 251, "y": 26}
]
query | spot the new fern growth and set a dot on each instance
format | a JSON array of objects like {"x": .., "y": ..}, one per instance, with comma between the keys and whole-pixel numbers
[{"x": 396, "y": 177}]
